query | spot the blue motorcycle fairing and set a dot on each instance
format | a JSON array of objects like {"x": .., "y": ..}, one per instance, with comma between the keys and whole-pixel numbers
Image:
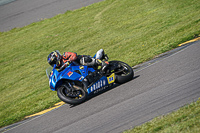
[
  {"x": 103, "y": 82},
  {"x": 77, "y": 73},
  {"x": 71, "y": 72},
  {"x": 53, "y": 79},
  {"x": 99, "y": 84}
]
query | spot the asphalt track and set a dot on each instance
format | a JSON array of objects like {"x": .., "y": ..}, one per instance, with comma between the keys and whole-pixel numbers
[
  {"x": 19, "y": 13},
  {"x": 157, "y": 89}
]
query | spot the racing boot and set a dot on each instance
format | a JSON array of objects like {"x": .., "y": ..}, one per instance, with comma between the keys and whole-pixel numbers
[
  {"x": 101, "y": 55},
  {"x": 102, "y": 65}
]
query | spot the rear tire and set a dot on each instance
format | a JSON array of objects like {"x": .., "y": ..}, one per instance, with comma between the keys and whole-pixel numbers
[
  {"x": 125, "y": 75},
  {"x": 76, "y": 97}
]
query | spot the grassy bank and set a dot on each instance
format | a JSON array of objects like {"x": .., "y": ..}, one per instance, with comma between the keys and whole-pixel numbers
[
  {"x": 185, "y": 120},
  {"x": 130, "y": 30}
]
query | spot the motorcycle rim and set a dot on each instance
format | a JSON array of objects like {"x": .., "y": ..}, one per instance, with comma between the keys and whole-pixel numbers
[{"x": 76, "y": 96}]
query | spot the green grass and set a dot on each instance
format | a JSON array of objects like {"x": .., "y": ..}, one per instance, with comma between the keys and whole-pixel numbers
[
  {"x": 130, "y": 30},
  {"x": 185, "y": 120}
]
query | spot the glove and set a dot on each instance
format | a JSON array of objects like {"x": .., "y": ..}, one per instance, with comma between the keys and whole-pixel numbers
[
  {"x": 103, "y": 65},
  {"x": 64, "y": 66}
]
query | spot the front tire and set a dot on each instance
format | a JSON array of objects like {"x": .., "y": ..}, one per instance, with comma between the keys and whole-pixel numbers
[
  {"x": 124, "y": 73},
  {"x": 71, "y": 97}
]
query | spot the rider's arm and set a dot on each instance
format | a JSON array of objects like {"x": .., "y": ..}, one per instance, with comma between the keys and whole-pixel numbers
[
  {"x": 69, "y": 56},
  {"x": 64, "y": 66}
]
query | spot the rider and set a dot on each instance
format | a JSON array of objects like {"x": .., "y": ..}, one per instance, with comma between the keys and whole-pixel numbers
[{"x": 62, "y": 61}]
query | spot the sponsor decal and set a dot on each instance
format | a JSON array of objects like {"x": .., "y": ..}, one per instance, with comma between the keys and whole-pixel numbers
[
  {"x": 99, "y": 84},
  {"x": 81, "y": 67},
  {"x": 101, "y": 89},
  {"x": 102, "y": 84},
  {"x": 69, "y": 73}
]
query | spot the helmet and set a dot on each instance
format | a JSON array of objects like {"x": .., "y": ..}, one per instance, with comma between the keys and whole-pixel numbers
[{"x": 54, "y": 58}]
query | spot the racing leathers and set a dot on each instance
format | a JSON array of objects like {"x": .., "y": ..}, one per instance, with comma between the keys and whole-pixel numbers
[{"x": 87, "y": 60}]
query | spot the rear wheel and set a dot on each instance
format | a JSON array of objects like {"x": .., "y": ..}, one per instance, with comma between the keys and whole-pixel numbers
[
  {"x": 123, "y": 73},
  {"x": 71, "y": 94}
]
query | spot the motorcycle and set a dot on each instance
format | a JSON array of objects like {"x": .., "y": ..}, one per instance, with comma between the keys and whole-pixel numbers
[{"x": 76, "y": 82}]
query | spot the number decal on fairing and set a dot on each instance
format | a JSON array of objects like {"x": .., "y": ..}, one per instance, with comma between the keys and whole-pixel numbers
[{"x": 111, "y": 78}]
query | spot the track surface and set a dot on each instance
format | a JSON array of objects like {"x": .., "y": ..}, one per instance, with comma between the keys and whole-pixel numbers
[
  {"x": 157, "y": 89},
  {"x": 23, "y": 12}
]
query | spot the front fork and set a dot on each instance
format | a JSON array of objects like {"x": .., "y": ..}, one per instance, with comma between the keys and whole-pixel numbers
[{"x": 71, "y": 90}]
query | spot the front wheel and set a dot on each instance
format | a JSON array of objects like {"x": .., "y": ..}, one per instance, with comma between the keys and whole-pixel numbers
[
  {"x": 75, "y": 95},
  {"x": 123, "y": 72}
]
